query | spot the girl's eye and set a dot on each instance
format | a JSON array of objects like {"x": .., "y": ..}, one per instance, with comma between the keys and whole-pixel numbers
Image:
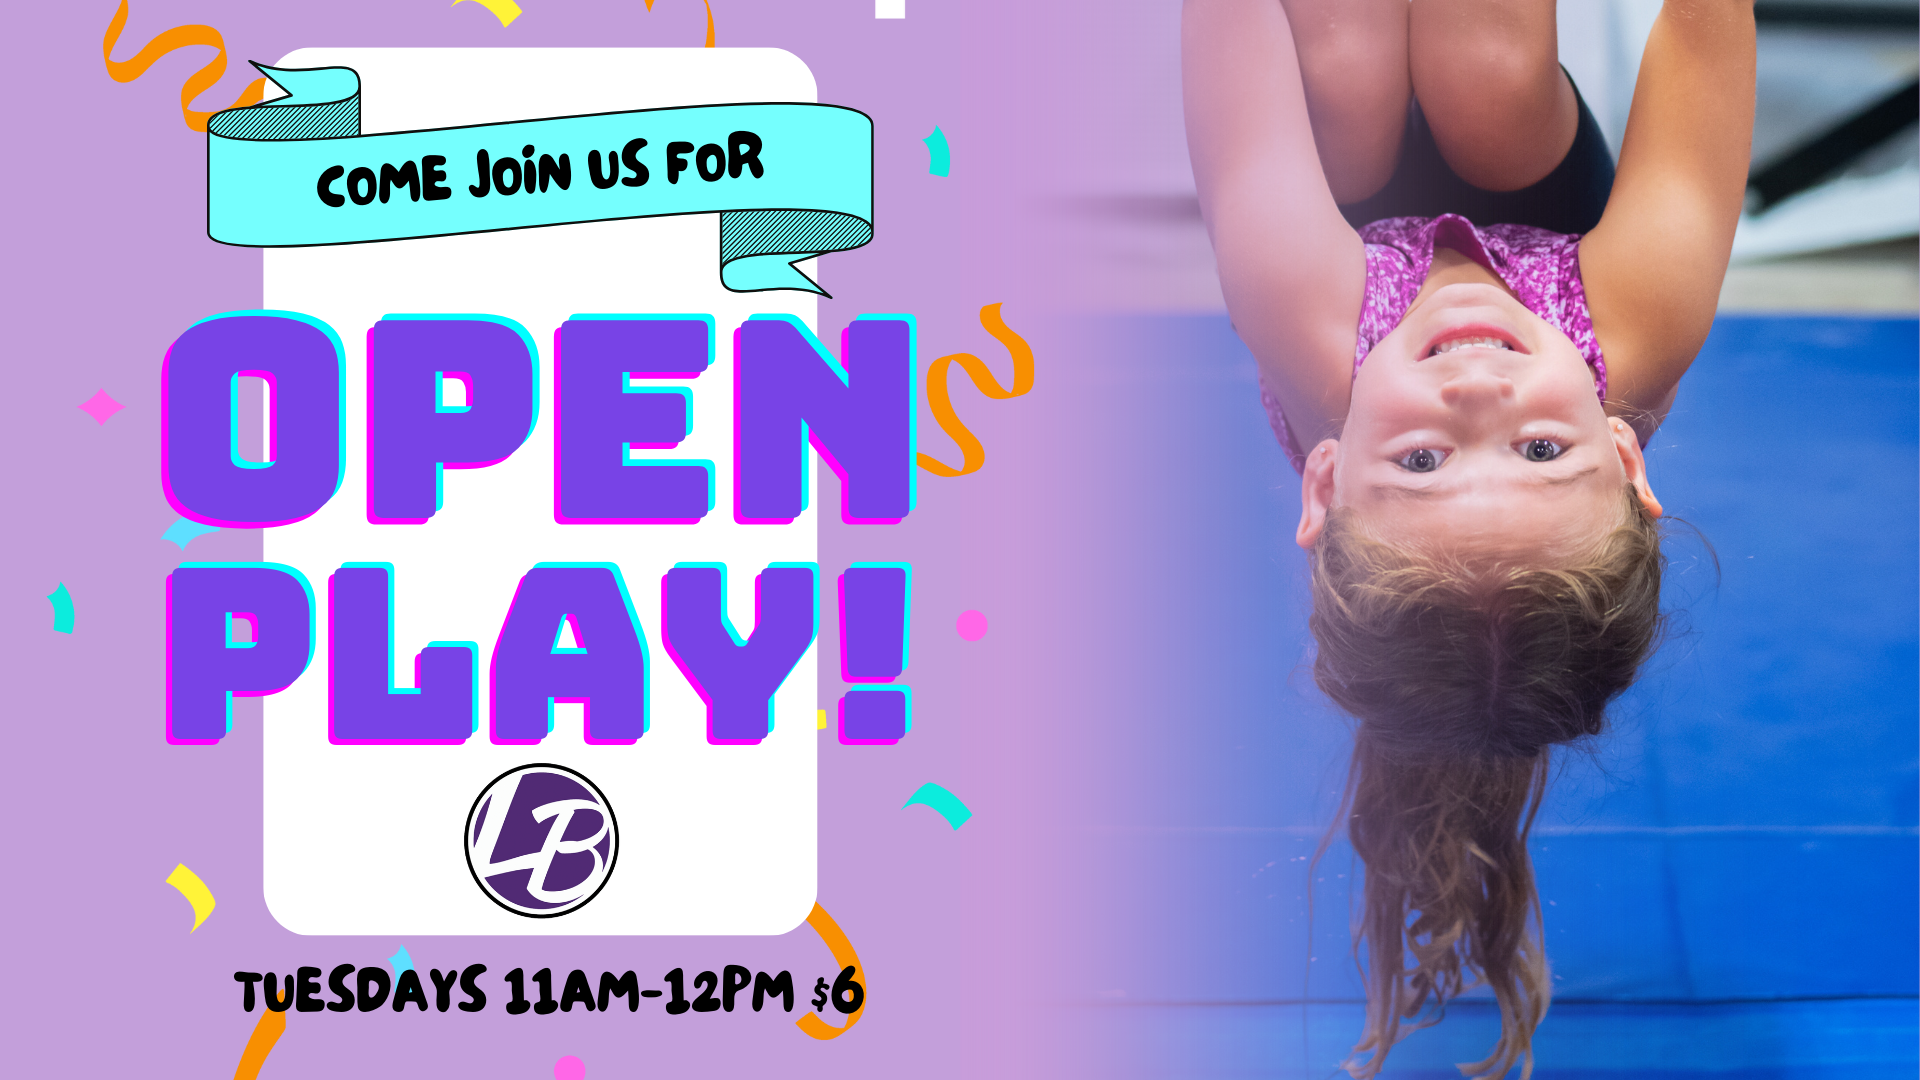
[
  {"x": 1422, "y": 460},
  {"x": 1540, "y": 450}
]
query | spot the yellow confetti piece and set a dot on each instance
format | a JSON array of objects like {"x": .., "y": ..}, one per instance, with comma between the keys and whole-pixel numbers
[
  {"x": 504, "y": 10},
  {"x": 822, "y": 725},
  {"x": 195, "y": 891}
]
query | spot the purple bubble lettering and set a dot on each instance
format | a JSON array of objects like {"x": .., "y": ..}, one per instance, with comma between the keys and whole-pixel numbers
[
  {"x": 601, "y": 416},
  {"x": 737, "y": 678},
  {"x": 363, "y": 707},
  {"x": 207, "y": 664},
  {"x": 605, "y": 669},
  {"x": 875, "y": 715},
  {"x": 874, "y": 605},
  {"x": 205, "y": 478},
  {"x": 873, "y": 621},
  {"x": 412, "y": 437},
  {"x": 788, "y": 392}
]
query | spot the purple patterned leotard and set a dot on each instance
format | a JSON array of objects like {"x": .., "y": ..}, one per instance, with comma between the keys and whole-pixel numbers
[{"x": 1541, "y": 268}]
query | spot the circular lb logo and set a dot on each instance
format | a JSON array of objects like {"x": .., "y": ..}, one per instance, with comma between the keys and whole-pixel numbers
[{"x": 541, "y": 840}]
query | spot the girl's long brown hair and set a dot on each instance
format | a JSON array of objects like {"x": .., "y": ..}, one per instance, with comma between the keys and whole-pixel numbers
[{"x": 1461, "y": 679}]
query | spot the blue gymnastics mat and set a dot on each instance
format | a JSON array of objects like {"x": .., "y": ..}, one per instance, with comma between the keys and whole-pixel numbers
[
  {"x": 1731, "y": 878},
  {"x": 1858, "y": 1039}
]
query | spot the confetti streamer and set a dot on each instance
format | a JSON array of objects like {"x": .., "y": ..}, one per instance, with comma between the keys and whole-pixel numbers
[
  {"x": 945, "y": 802},
  {"x": 972, "y": 454},
  {"x": 265, "y": 1033},
  {"x": 709, "y": 6},
  {"x": 179, "y": 37},
  {"x": 844, "y": 956},
  {"x": 197, "y": 894},
  {"x": 504, "y": 10}
]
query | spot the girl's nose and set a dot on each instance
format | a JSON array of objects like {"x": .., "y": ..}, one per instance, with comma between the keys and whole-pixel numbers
[{"x": 1477, "y": 389}]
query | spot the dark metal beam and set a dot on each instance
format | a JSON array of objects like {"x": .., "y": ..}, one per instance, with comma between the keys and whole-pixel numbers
[
  {"x": 1837, "y": 147},
  {"x": 1806, "y": 14}
]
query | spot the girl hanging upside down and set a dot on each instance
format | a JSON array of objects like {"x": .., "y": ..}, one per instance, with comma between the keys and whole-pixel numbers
[{"x": 1468, "y": 325}]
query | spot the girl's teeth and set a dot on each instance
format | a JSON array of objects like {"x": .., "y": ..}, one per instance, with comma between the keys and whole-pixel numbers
[{"x": 1468, "y": 343}]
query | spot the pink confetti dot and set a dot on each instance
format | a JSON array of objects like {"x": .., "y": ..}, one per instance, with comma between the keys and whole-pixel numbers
[
  {"x": 100, "y": 406},
  {"x": 569, "y": 1068},
  {"x": 972, "y": 625}
]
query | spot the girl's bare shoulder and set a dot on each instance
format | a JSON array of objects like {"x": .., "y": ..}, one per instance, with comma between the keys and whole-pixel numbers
[
  {"x": 1306, "y": 355},
  {"x": 1292, "y": 270},
  {"x": 1652, "y": 267}
]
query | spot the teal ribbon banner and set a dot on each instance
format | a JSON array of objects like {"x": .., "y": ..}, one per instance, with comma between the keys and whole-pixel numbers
[{"x": 790, "y": 181}]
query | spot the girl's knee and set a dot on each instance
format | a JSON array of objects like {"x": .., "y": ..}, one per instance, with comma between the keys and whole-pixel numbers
[
  {"x": 1485, "y": 64},
  {"x": 1353, "y": 64},
  {"x": 1487, "y": 86},
  {"x": 1357, "y": 93},
  {"x": 1502, "y": 116}
]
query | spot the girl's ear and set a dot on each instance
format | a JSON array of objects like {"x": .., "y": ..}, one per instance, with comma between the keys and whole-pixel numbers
[
  {"x": 1628, "y": 445},
  {"x": 1316, "y": 491}
]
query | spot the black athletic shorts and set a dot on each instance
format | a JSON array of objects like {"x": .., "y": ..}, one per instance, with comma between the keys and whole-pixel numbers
[{"x": 1567, "y": 200}]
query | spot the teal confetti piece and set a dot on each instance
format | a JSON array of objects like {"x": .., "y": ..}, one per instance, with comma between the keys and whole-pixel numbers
[
  {"x": 182, "y": 532},
  {"x": 946, "y": 802},
  {"x": 62, "y": 609},
  {"x": 401, "y": 961},
  {"x": 939, "y": 157}
]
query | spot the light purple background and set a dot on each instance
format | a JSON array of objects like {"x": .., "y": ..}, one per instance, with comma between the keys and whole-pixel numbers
[{"x": 969, "y": 938}]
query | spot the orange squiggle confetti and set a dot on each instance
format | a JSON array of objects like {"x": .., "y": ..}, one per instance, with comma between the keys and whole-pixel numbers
[
  {"x": 265, "y": 1033},
  {"x": 709, "y": 5},
  {"x": 843, "y": 954},
  {"x": 972, "y": 454},
  {"x": 177, "y": 38}
]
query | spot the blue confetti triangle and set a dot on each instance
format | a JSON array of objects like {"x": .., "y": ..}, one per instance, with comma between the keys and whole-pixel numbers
[{"x": 183, "y": 531}]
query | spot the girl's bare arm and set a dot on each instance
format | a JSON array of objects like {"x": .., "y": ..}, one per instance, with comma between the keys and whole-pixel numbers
[
  {"x": 1653, "y": 265},
  {"x": 1293, "y": 271}
]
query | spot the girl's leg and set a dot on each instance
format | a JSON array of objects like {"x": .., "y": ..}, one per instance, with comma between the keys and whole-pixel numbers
[
  {"x": 1353, "y": 60},
  {"x": 1487, "y": 74}
]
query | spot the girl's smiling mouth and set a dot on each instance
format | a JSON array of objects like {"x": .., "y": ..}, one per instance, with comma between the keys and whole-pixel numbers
[{"x": 1471, "y": 336}]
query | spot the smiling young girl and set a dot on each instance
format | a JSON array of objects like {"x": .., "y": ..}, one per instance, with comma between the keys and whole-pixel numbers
[{"x": 1468, "y": 324}]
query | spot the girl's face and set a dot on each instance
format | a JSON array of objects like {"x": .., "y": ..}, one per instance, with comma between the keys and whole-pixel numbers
[{"x": 1474, "y": 426}]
